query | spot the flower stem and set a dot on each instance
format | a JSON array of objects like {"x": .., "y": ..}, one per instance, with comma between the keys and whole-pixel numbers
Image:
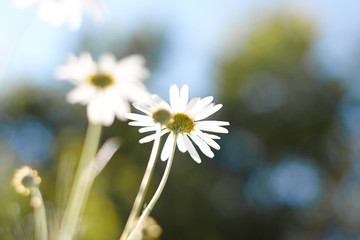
[
  {"x": 37, "y": 203},
  {"x": 82, "y": 183},
  {"x": 143, "y": 186},
  {"x": 158, "y": 192}
]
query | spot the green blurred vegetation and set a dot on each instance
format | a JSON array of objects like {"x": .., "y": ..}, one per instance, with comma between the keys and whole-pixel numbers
[
  {"x": 278, "y": 105},
  {"x": 272, "y": 89},
  {"x": 272, "y": 92}
]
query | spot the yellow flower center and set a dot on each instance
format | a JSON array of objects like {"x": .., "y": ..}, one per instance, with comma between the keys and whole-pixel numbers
[
  {"x": 101, "y": 80},
  {"x": 181, "y": 123},
  {"x": 162, "y": 116}
]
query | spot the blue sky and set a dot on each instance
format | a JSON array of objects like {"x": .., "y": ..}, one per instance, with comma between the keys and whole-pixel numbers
[{"x": 198, "y": 32}]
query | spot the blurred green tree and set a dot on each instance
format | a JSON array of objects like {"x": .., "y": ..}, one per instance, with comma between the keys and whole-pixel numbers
[{"x": 272, "y": 90}]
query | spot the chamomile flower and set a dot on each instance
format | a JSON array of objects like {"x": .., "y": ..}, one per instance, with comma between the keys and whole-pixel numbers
[
  {"x": 56, "y": 12},
  {"x": 149, "y": 229},
  {"x": 25, "y": 178},
  {"x": 105, "y": 87},
  {"x": 183, "y": 119}
]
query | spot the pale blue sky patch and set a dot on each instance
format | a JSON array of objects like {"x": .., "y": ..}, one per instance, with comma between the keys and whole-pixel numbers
[{"x": 198, "y": 31}]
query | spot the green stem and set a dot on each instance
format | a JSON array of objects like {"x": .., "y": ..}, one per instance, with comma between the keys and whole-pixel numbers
[
  {"x": 158, "y": 192},
  {"x": 41, "y": 231},
  {"x": 82, "y": 183},
  {"x": 143, "y": 186}
]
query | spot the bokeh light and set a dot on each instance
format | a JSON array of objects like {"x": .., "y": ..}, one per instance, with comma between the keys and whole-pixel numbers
[{"x": 31, "y": 140}]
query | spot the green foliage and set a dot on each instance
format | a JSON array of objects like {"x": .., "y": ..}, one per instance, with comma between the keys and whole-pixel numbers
[
  {"x": 272, "y": 91},
  {"x": 278, "y": 46}
]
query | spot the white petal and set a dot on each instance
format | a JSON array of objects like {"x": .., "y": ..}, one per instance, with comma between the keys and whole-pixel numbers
[
  {"x": 174, "y": 98},
  {"x": 202, "y": 110},
  {"x": 213, "y": 129},
  {"x": 208, "y": 112},
  {"x": 53, "y": 12},
  {"x": 159, "y": 102},
  {"x": 86, "y": 60},
  {"x": 142, "y": 107},
  {"x": 107, "y": 63},
  {"x": 81, "y": 94},
  {"x": 208, "y": 139},
  {"x": 135, "y": 91},
  {"x": 147, "y": 129},
  {"x": 77, "y": 70},
  {"x": 180, "y": 143},
  {"x": 138, "y": 117},
  {"x": 165, "y": 153},
  {"x": 94, "y": 110},
  {"x": 212, "y": 136},
  {"x": 191, "y": 149},
  {"x": 108, "y": 114},
  {"x": 151, "y": 137},
  {"x": 142, "y": 124},
  {"x": 132, "y": 60},
  {"x": 121, "y": 108},
  {"x": 212, "y": 123},
  {"x": 191, "y": 104},
  {"x": 148, "y": 138},
  {"x": 202, "y": 145},
  {"x": 131, "y": 69},
  {"x": 184, "y": 97},
  {"x": 200, "y": 105}
]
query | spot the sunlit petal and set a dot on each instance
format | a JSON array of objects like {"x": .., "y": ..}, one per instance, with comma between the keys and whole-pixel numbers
[
  {"x": 165, "y": 154},
  {"x": 181, "y": 145},
  {"x": 202, "y": 145},
  {"x": 174, "y": 98},
  {"x": 191, "y": 149},
  {"x": 184, "y": 97}
]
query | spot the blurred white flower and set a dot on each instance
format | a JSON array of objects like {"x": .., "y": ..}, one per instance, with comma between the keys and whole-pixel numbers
[
  {"x": 105, "y": 87},
  {"x": 185, "y": 121},
  {"x": 56, "y": 12},
  {"x": 25, "y": 178},
  {"x": 149, "y": 229}
]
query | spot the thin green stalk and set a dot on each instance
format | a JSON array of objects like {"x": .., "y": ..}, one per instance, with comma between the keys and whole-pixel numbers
[
  {"x": 41, "y": 231},
  {"x": 143, "y": 186},
  {"x": 158, "y": 192},
  {"x": 82, "y": 183}
]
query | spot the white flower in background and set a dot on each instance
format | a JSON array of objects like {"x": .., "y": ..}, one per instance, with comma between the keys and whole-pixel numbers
[
  {"x": 25, "y": 178},
  {"x": 149, "y": 230},
  {"x": 56, "y": 12},
  {"x": 105, "y": 87},
  {"x": 182, "y": 118}
]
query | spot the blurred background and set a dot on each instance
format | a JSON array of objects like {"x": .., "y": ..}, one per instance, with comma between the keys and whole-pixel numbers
[{"x": 286, "y": 73}]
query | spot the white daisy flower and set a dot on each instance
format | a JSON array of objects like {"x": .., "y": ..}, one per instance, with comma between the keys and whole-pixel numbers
[
  {"x": 56, "y": 12},
  {"x": 182, "y": 119},
  {"x": 105, "y": 87}
]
